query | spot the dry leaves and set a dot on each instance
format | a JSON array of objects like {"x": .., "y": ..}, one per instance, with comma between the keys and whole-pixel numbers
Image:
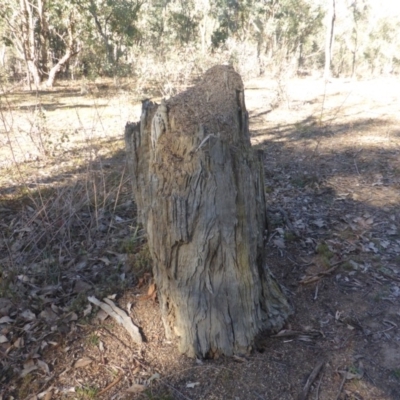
[
  {"x": 82, "y": 362},
  {"x": 136, "y": 388}
]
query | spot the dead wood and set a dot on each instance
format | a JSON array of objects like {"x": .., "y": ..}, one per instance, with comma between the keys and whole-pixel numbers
[
  {"x": 304, "y": 393},
  {"x": 199, "y": 188}
]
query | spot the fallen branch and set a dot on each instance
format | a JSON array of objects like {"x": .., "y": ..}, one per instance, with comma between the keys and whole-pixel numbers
[
  {"x": 120, "y": 316},
  {"x": 314, "y": 278},
  {"x": 304, "y": 393},
  {"x": 341, "y": 386},
  {"x": 112, "y": 384},
  {"x": 301, "y": 334}
]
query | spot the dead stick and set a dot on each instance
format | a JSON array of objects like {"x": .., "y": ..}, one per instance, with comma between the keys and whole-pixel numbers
[
  {"x": 320, "y": 275},
  {"x": 341, "y": 386},
  {"x": 303, "y": 395},
  {"x": 110, "y": 385},
  {"x": 319, "y": 385}
]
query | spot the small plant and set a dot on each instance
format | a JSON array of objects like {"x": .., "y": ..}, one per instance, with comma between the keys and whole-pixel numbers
[
  {"x": 130, "y": 244},
  {"x": 28, "y": 385},
  {"x": 159, "y": 396},
  {"x": 348, "y": 266},
  {"x": 379, "y": 295},
  {"x": 290, "y": 237},
  {"x": 324, "y": 254},
  {"x": 141, "y": 261},
  {"x": 93, "y": 340},
  {"x": 353, "y": 370},
  {"x": 79, "y": 303},
  {"x": 86, "y": 392},
  {"x": 396, "y": 373}
]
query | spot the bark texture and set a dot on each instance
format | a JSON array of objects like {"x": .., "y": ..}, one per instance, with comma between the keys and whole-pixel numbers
[{"x": 199, "y": 190}]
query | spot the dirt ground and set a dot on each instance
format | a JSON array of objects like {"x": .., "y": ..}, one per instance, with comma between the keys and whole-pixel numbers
[{"x": 68, "y": 231}]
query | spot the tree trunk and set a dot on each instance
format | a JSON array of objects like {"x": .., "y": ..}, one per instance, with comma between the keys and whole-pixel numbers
[
  {"x": 330, "y": 29},
  {"x": 70, "y": 52},
  {"x": 199, "y": 189},
  {"x": 57, "y": 68}
]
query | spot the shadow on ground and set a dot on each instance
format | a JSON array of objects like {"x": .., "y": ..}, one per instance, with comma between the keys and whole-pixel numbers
[{"x": 334, "y": 213}]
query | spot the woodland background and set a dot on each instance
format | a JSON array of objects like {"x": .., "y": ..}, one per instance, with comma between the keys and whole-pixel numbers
[{"x": 162, "y": 42}]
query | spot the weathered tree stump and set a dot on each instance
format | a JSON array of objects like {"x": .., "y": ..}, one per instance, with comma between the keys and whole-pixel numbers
[{"x": 199, "y": 189}]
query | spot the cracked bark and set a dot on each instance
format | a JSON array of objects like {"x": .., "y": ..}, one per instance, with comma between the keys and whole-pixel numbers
[{"x": 199, "y": 189}]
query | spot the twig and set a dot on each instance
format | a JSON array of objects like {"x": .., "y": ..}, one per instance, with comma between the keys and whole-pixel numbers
[
  {"x": 303, "y": 395},
  {"x": 341, "y": 386},
  {"x": 112, "y": 384},
  {"x": 317, "y": 277},
  {"x": 316, "y": 292},
  {"x": 395, "y": 278},
  {"x": 319, "y": 385},
  {"x": 176, "y": 390},
  {"x": 355, "y": 164}
]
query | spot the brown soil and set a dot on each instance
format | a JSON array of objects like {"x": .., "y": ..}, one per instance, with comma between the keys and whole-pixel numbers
[{"x": 332, "y": 162}]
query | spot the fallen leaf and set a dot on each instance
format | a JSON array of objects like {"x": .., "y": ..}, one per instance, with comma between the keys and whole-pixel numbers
[
  {"x": 43, "y": 366},
  {"x": 3, "y": 339},
  {"x": 384, "y": 243},
  {"x": 81, "y": 287},
  {"x": 47, "y": 394},
  {"x": 19, "y": 343},
  {"x": 280, "y": 243},
  {"x": 153, "y": 377},
  {"x": 83, "y": 362},
  {"x": 192, "y": 385},
  {"x": 48, "y": 315},
  {"x": 136, "y": 388},
  {"x": 71, "y": 317},
  {"x": 27, "y": 370},
  {"x": 28, "y": 315},
  {"x": 319, "y": 223},
  {"x": 6, "y": 320},
  {"x": 105, "y": 260},
  {"x": 87, "y": 310},
  {"x": 136, "y": 370},
  {"x": 5, "y": 306},
  {"x": 23, "y": 278}
]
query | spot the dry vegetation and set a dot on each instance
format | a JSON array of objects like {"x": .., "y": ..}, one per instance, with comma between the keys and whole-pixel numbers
[{"x": 68, "y": 230}]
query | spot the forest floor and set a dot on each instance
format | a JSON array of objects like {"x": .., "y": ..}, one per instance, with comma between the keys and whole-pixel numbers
[{"x": 68, "y": 231}]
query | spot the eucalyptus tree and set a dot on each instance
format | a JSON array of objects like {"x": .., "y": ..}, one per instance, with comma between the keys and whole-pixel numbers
[
  {"x": 109, "y": 29},
  {"x": 26, "y": 29},
  {"x": 43, "y": 35}
]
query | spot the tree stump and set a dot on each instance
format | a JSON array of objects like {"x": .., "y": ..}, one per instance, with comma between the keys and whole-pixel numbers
[{"x": 199, "y": 189}]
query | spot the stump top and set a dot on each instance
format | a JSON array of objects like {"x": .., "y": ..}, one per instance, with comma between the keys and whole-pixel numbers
[{"x": 213, "y": 103}]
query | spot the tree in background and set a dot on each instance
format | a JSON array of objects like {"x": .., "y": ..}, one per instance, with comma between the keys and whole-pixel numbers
[
  {"x": 330, "y": 28},
  {"x": 164, "y": 39},
  {"x": 26, "y": 29},
  {"x": 108, "y": 31}
]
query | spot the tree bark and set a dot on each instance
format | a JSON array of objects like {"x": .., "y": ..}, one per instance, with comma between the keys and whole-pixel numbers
[{"x": 199, "y": 189}]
